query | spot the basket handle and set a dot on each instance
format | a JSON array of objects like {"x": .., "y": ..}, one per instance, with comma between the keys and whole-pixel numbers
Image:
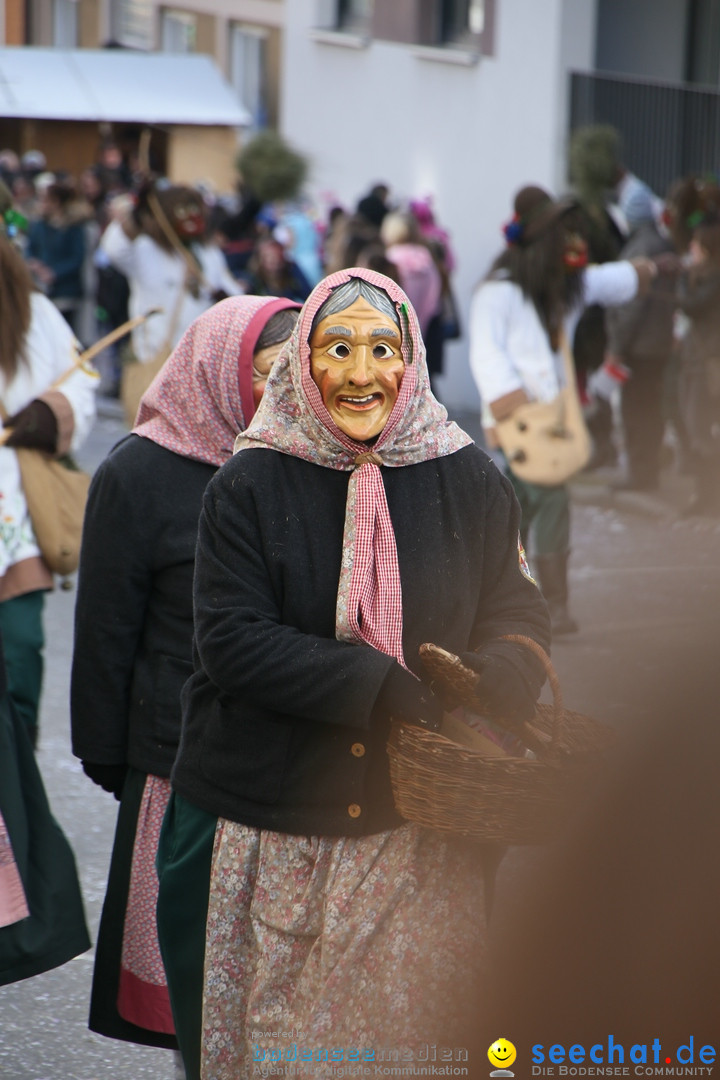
[
  {"x": 462, "y": 680},
  {"x": 552, "y": 677}
]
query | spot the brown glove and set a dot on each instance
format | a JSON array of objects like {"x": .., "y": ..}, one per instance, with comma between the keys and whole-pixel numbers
[{"x": 34, "y": 427}]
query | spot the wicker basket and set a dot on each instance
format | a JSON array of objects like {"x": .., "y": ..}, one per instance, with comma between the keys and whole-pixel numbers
[{"x": 510, "y": 800}]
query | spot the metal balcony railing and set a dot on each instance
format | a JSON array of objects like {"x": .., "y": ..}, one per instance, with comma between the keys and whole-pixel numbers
[{"x": 668, "y": 130}]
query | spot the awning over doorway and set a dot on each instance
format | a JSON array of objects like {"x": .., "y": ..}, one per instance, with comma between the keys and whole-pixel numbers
[{"x": 117, "y": 86}]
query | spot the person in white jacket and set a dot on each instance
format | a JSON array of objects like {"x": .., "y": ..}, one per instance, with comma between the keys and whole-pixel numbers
[
  {"x": 533, "y": 296},
  {"x": 160, "y": 246},
  {"x": 36, "y": 347}
]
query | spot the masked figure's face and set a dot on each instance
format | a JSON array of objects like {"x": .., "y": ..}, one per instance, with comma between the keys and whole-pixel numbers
[
  {"x": 189, "y": 219},
  {"x": 357, "y": 364},
  {"x": 263, "y": 361}
]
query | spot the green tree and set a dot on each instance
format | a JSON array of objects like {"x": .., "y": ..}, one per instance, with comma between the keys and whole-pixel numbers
[{"x": 271, "y": 169}]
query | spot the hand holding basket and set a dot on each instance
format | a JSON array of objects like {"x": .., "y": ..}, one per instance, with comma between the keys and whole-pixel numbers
[{"x": 457, "y": 789}]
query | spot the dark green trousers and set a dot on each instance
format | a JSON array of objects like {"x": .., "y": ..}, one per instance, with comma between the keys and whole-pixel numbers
[
  {"x": 21, "y": 625},
  {"x": 545, "y": 526},
  {"x": 183, "y": 865},
  {"x": 55, "y": 930}
]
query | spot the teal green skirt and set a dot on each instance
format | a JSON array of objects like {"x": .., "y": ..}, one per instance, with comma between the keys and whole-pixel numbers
[{"x": 183, "y": 864}]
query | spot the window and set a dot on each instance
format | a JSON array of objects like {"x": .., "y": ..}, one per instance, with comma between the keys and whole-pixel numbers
[
  {"x": 65, "y": 24},
  {"x": 248, "y": 70},
  {"x": 461, "y": 21},
  {"x": 179, "y": 32},
  {"x": 131, "y": 23},
  {"x": 354, "y": 16},
  {"x": 452, "y": 26}
]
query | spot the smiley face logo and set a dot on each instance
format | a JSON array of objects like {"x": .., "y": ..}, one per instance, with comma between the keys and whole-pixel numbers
[{"x": 502, "y": 1054}]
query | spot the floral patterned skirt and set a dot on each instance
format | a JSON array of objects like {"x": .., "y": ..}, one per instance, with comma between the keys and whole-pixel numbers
[
  {"x": 323, "y": 949},
  {"x": 130, "y": 998},
  {"x": 143, "y": 997}
]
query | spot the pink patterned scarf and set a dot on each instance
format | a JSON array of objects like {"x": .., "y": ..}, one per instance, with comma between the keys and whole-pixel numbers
[
  {"x": 202, "y": 397},
  {"x": 293, "y": 420}
]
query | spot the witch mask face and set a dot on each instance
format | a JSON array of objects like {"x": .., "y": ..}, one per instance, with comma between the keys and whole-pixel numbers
[
  {"x": 357, "y": 364},
  {"x": 263, "y": 361},
  {"x": 188, "y": 218}
]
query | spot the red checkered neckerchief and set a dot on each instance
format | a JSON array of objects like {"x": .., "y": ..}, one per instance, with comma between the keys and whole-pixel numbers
[
  {"x": 293, "y": 420},
  {"x": 202, "y": 397},
  {"x": 369, "y": 601}
]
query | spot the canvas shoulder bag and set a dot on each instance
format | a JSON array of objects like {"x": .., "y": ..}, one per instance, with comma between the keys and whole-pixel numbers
[
  {"x": 547, "y": 442},
  {"x": 56, "y": 493}
]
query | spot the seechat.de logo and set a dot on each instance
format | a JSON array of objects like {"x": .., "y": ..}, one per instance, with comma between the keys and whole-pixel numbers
[{"x": 612, "y": 1058}]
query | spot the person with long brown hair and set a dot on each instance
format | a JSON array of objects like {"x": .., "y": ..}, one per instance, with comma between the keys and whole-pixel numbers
[
  {"x": 36, "y": 348},
  {"x": 521, "y": 322},
  {"x": 271, "y": 272}
]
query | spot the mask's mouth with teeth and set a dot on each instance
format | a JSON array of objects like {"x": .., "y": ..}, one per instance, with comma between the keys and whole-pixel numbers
[{"x": 364, "y": 402}]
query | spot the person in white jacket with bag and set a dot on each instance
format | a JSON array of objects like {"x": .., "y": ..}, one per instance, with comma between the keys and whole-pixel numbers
[
  {"x": 36, "y": 348},
  {"x": 146, "y": 243},
  {"x": 522, "y": 316}
]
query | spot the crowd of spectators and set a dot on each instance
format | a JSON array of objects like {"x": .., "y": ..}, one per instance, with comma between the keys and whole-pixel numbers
[{"x": 270, "y": 249}]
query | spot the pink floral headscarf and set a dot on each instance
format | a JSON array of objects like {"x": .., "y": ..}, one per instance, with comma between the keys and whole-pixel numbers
[
  {"x": 202, "y": 397},
  {"x": 293, "y": 420}
]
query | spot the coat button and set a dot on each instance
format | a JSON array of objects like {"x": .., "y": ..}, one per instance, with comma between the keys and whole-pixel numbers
[
  {"x": 357, "y": 749},
  {"x": 354, "y": 810}
]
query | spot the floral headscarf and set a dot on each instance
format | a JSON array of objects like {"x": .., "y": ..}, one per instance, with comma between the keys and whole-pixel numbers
[
  {"x": 293, "y": 420},
  {"x": 202, "y": 397}
]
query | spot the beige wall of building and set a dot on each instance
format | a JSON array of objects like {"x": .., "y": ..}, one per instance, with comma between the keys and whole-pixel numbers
[
  {"x": 89, "y": 24},
  {"x": 202, "y": 153},
  {"x": 13, "y": 21}
]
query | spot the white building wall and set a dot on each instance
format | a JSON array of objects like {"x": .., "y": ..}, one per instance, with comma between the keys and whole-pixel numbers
[
  {"x": 577, "y": 53},
  {"x": 468, "y": 135}
]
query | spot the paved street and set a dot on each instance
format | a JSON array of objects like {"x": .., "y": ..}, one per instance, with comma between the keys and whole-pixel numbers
[
  {"x": 43, "y": 1032},
  {"x": 644, "y": 586}
]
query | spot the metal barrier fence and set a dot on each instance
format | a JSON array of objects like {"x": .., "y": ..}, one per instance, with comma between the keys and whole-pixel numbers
[{"x": 667, "y": 130}]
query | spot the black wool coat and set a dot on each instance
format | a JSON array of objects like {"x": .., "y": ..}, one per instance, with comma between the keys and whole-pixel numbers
[
  {"x": 133, "y": 616},
  {"x": 280, "y": 728}
]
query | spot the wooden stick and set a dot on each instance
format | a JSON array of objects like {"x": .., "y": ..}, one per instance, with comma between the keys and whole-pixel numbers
[
  {"x": 86, "y": 356},
  {"x": 109, "y": 339},
  {"x": 172, "y": 237},
  {"x": 144, "y": 151}
]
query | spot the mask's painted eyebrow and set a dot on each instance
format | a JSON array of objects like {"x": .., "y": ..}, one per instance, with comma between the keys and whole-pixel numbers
[
  {"x": 384, "y": 331},
  {"x": 335, "y": 330}
]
